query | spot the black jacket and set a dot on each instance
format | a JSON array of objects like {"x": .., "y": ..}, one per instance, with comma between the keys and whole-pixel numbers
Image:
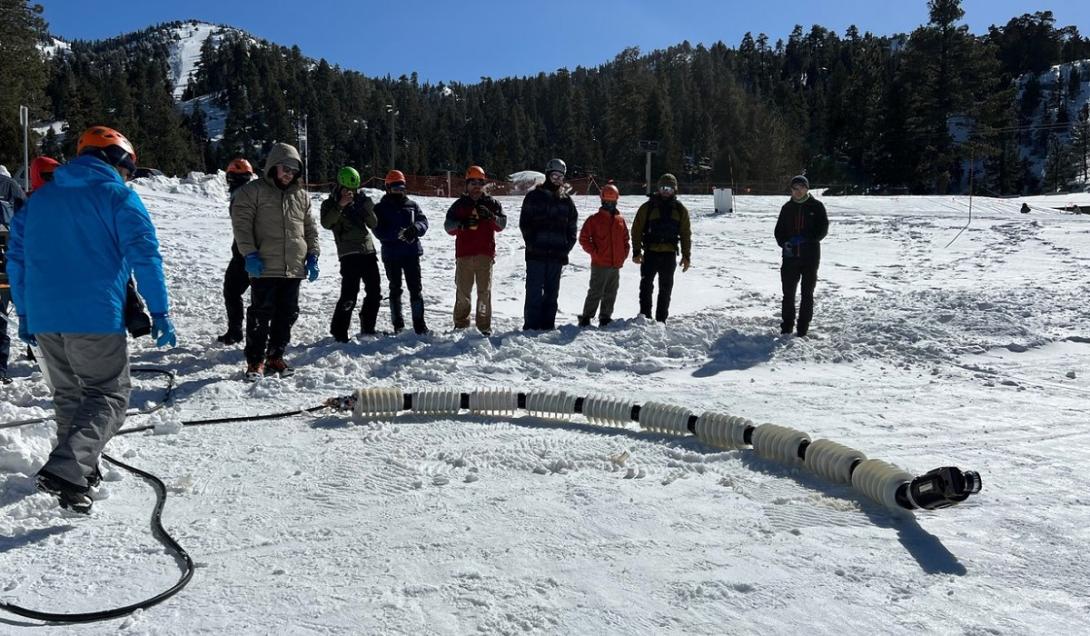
[
  {"x": 801, "y": 227},
  {"x": 549, "y": 225}
]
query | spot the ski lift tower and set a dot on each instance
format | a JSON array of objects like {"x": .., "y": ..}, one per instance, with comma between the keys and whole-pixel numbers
[{"x": 650, "y": 148}]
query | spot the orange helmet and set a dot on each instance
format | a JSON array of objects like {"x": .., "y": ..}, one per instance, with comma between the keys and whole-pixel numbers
[
  {"x": 475, "y": 172},
  {"x": 112, "y": 145},
  {"x": 610, "y": 193},
  {"x": 395, "y": 176},
  {"x": 41, "y": 171},
  {"x": 240, "y": 166}
]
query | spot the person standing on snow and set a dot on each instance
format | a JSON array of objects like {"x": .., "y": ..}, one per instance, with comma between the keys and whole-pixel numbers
[
  {"x": 277, "y": 234},
  {"x": 235, "y": 279},
  {"x": 549, "y": 225},
  {"x": 401, "y": 223},
  {"x": 12, "y": 199},
  {"x": 660, "y": 226},
  {"x": 474, "y": 220},
  {"x": 801, "y": 226},
  {"x": 74, "y": 246},
  {"x": 605, "y": 237},
  {"x": 350, "y": 214}
]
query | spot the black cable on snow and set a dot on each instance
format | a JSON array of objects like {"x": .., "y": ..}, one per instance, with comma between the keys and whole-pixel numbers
[
  {"x": 167, "y": 397},
  {"x": 159, "y": 532},
  {"x": 156, "y": 516}
]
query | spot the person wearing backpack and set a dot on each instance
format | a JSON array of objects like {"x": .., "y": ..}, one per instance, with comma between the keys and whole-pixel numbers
[
  {"x": 12, "y": 199},
  {"x": 661, "y": 226},
  {"x": 350, "y": 214}
]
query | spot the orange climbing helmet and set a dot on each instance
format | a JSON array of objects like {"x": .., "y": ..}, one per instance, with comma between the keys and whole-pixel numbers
[
  {"x": 41, "y": 171},
  {"x": 240, "y": 166},
  {"x": 395, "y": 176},
  {"x": 610, "y": 193},
  {"x": 109, "y": 145},
  {"x": 475, "y": 172}
]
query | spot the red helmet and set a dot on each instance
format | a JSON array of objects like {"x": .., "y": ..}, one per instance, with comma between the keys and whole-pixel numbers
[
  {"x": 475, "y": 172},
  {"x": 395, "y": 176},
  {"x": 610, "y": 193},
  {"x": 113, "y": 144},
  {"x": 240, "y": 166},
  {"x": 41, "y": 171}
]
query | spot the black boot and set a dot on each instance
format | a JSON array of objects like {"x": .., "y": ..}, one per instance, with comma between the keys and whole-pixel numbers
[{"x": 584, "y": 321}]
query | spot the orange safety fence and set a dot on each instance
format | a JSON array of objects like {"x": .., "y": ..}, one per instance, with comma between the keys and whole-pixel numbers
[{"x": 438, "y": 186}]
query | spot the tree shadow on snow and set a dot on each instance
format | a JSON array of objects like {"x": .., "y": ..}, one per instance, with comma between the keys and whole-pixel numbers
[
  {"x": 734, "y": 351},
  {"x": 31, "y": 537},
  {"x": 927, "y": 549}
]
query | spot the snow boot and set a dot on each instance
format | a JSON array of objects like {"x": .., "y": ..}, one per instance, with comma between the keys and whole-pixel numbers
[
  {"x": 584, "y": 321},
  {"x": 255, "y": 371},
  {"x": 71, "y": 497},
  {"x": 233, "y": 336},
  {"x": 275, "y": 365}
]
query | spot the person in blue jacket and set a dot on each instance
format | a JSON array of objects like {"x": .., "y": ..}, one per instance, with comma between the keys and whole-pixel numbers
[
  {"x": 73, "y": 247},
  {"x": 401, "y": 223}
]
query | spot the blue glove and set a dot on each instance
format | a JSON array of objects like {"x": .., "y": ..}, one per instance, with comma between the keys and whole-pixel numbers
[
  {"x": 254, "y": 264},
  {"x": 25, "y": 335},
  {"x": 162, "y": 329},
  {"x": 312, "y": 267}
]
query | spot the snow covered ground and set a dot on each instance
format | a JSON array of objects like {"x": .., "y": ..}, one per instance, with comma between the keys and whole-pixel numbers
[{"x": 974, "y": 354}]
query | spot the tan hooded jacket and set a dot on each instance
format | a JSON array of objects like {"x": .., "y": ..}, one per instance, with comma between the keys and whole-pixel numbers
[{"x": 273, "y": 222}]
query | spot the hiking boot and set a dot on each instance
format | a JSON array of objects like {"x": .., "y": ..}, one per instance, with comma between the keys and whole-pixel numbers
[
  {"x": 5, "y": 378},
  {"x": 230, "y": 338},
  {"x": 71, "y": 497},
  {"x": 584, "y": 321},
  {"x": 255, "y": 371},
  {"x": 275, "y": 365},
  {"x": 340, "y": 337},
  {"x": 602, "y": 322}
]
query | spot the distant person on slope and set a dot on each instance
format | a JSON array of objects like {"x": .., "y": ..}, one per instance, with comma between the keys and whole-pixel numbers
[
  {"x": 350, "y": 214},
  {"x": 549, "y": 225},
  {"x": 401, "y": 223},
  {"x": 473, "y": 220},
  {"x": 12, "y": 199},
  {"x": 661, "y": 226},
  {"x": 799, "y": 230},
  {"x": 235, "y": 279},
  {"x": 277, "y": 233},
  {"x": 605, "y": 237},
  {"x": 74, "y": 246}
]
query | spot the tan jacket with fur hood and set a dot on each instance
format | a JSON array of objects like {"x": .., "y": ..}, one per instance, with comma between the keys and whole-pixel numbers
[{"x": 275, "y": 222}]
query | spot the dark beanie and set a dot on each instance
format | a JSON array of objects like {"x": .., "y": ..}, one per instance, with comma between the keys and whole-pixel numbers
[
  {"x": 800, "y": 179},
  {"x": 668, "y": 179}
]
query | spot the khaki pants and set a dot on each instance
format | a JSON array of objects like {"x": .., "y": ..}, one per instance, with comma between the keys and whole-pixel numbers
[
  {"x": 604, "y": 282},
  {"x": 467, "y": 271}
]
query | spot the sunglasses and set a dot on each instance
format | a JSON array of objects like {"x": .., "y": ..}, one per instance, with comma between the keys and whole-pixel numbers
[
  {"x": 288, "y": 169},
  {"x": 476, "y": 182},
  {"x": 397, "y": 187},
  {"x": 609, "y": 205},
  {"x": 666, "y": 189}
]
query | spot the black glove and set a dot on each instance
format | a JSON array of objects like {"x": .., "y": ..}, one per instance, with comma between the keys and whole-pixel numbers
[
  {"x": 409, "y": 234},
  {"x": 483, "y": 212}
]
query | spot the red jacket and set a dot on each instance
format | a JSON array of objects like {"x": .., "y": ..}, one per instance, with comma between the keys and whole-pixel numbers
[
  {"x": 480, "y": 239},
  {"x": 605, "y": 237}
]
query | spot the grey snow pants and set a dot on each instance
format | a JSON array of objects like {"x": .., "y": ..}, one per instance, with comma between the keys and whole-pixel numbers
[{"x": 91, "y": 387}]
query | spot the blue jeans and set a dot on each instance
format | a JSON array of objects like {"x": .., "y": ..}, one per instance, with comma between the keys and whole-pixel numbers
[{"x": 542, "y": 289}]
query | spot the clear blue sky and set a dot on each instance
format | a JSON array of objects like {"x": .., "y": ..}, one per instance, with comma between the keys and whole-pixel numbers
[{"x": 464, "y": 39}]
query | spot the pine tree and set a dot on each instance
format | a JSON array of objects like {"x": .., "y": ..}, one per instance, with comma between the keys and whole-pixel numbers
[{"x": 22, "y": 73}]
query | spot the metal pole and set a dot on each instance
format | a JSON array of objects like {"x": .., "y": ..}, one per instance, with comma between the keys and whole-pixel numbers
[
  {"x": 647, "y": 174},
  {"x": 24, "y": 120},
  {"x": 393, "y": 115},
  {"x": 306, "y": 152}
]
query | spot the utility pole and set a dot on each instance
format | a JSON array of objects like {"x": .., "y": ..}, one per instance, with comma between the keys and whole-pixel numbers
[
  {"x": 24, "y": 121},
  {"x": 649, "y": 147}
]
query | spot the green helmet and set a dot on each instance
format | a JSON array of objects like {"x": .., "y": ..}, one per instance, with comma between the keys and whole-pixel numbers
[{"x": 348, "y": 178}]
